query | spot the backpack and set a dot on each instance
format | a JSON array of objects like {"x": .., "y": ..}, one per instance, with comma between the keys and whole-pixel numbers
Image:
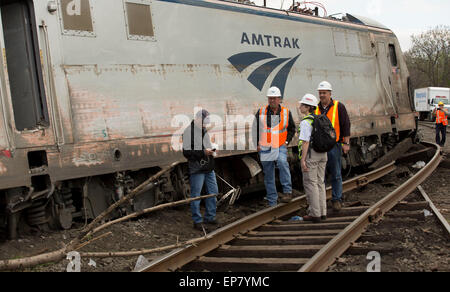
[{"x": 323, "y": 136}]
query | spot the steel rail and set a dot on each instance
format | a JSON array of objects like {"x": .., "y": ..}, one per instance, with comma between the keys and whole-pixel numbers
[
  {"x": 180, "y": 257},
  {"x": 335, "y": 248},
  {"x": 435, "y": 210},
  {"x": 431, "y": 125}
]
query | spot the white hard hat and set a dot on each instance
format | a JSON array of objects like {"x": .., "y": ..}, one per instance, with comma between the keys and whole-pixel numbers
[
  {"x": 274, "y": 92},
  {"x": 325, "y": 86},
  {"x": 310, "y": 99}
]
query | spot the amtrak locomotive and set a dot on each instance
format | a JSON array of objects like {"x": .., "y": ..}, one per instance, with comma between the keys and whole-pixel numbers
[{"x": 94, "y": 95}]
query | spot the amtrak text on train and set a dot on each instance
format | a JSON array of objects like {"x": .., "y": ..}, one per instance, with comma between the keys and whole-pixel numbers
[{"x": 269, "y": 41}]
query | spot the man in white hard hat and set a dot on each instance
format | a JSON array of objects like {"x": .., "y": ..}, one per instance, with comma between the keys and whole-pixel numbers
[
  {"x": 337, "y": 114},
  {"x": 313, "y": 163},
  {"x": 275, "y": 128},
  {"x": 441, "y": 114}
]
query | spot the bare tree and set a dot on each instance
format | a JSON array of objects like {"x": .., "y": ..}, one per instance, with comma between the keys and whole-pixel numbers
[{"x": 429, "y": 58}]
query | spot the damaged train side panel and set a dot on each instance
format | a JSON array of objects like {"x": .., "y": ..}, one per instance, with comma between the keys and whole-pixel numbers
[{"x": 113, "y": 86}]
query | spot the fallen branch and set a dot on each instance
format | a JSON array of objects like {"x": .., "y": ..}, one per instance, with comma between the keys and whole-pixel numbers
[
  {"x": 60, "y": 254},
  {"x": 146, "y": 211},
  {"x": 55, "y": 256},
  {"x": 140, "y": 252},
  {"x": 128, "y": 197}
]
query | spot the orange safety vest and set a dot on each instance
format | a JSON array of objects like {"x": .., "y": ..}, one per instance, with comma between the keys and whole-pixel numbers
[
  {"x": 274, "y": 137},
  {"x": 333, "y": 116},
  {"x": 441, "y": 118}
]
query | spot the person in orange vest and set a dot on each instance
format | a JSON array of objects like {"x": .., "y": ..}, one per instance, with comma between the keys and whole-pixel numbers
[
  {"x": 441, "y": 124},
  {"x": 337, "y": 113},
  {"x": 275, "y": 128}
]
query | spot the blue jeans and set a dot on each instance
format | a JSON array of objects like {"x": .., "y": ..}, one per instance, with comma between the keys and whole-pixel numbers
[
  {"x": 197, "y": 181},
  {"x": 441, "y": 131},
  {"x": 280, "y": 159},
  {"x": 334, "y": 170}
]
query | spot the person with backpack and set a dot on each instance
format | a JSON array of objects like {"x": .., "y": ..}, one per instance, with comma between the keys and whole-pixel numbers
[
  {"x": 337, "y": 114},
  {"x": 316, "y": 136}
]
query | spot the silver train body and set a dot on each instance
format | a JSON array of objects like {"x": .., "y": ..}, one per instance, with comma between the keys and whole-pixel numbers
[{"x": 89, "y": 90}]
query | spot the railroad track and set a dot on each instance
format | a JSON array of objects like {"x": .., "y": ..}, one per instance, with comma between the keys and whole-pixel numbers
[
  {"x": 431, "y": 125},
  {"x": 267, "y": 241}
]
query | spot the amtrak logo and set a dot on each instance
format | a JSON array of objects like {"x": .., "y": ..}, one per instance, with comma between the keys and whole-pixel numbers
[{"x": 259, "y": 77}]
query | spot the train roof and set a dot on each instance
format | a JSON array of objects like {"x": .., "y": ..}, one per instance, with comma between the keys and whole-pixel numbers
[
  {"x": 365, "y": 21},
  {"x": 348, "y": 20}
]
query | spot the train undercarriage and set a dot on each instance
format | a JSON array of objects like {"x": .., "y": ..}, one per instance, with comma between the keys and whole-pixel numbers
[{"x": 55, "y": 206}]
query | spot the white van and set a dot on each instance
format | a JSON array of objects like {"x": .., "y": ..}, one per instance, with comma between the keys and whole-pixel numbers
[{"x": 427, "y": 100}]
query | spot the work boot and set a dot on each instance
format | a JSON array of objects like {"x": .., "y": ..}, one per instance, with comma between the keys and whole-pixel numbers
[
  {"x": 286, "y": 198},
  {"x": 200, "y": 227},
  {"x": 268, "y": 205},
  {"x": 213, "y": 222},
  {"x": 337, "y": 206},
  {"x": 312, "y": 219}
]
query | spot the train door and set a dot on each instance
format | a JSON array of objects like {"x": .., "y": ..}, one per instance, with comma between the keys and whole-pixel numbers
[
  {"x": 385, "y": 71},
  {"x": 400, "y": 90},
  {"x": 24, "y": 72}
]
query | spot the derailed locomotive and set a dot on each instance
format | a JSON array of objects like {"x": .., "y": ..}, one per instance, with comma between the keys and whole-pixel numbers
[{"x": 89, "y": 92}]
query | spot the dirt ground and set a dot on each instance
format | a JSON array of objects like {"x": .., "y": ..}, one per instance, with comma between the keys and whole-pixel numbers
[
  {"x": 159, "y": 229},
  {"x": 404, "y": 245},
  {"x": 424, "y": 246},
  {"x": 438, "y": 185},
  {"x": 408, "y": 245}
]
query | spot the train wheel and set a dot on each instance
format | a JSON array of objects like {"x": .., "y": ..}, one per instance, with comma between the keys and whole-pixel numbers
[
  {"x": 98, "y": 196},
  {"x": 64, "y": 219}
]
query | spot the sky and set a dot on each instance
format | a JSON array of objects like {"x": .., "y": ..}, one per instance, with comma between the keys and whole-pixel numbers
[{"x": 403, "y": 17}]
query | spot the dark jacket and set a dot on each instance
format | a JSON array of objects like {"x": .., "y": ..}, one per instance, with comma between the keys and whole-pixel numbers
[
  {"x": 258, "y": 128},
  {"x": 195, "y": 141}
]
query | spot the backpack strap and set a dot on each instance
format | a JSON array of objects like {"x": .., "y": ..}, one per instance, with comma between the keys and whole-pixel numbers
[{"x": 310, "y": 117}]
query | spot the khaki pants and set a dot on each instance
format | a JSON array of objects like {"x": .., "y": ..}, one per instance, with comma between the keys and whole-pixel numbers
[{"x": 314, "y": 183}]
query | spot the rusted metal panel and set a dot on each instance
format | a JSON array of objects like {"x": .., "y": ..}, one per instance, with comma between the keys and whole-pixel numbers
[
  {"x": 34, "y": 138},
  {"x": 371, "y": 126},
  {"x": 159, "y": 80},
  {"x": 14, "y": 171},
  {"x": 99, "y": 158},
  {"x": 170, "y": 79},
  {"x": 406, "y": 122},
  {"x": 3, "y": 133},
  {"x": 113, "y": 93},
  {"x": 102, "y": 113},
  {"x": 4, "y": 117}
]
